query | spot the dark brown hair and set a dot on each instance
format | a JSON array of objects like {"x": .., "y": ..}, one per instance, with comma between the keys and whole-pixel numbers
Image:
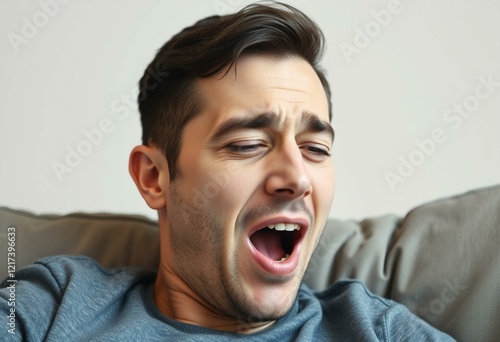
[{"x": 168, "y": 97}]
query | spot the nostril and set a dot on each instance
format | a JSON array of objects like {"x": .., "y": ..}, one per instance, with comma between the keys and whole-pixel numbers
[{"x": 290, "y": 191}]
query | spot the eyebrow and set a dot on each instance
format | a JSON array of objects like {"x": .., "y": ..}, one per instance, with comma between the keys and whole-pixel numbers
[
  {"x": 311, "y": 122},
  {"x": 314, "y": 124}
]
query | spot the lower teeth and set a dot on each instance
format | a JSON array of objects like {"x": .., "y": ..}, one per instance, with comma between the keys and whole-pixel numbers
[{"x": 284, "y": 258}]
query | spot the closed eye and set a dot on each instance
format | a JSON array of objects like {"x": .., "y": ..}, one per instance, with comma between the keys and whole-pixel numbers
[
  {"x": 315, "y": 152},
  {"x": 244, "y": 148},
  {"x": 318, "y": 150}
]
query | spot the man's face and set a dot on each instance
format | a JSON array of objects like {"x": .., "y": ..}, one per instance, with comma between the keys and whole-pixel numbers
[{"x": 255, "y": 188}]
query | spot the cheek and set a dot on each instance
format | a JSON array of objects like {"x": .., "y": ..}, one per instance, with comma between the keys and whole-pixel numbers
[
  {"x": 222, "y": 187},
  {"x": 323, "y": 189},
  {"x": 233, "y": 186}
]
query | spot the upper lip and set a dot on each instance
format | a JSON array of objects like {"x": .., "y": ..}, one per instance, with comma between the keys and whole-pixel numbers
[{"x": 301, "y": 221}]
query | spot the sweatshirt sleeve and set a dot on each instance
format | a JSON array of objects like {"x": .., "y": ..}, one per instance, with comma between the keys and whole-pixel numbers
[
  {"x": 362, "y": 316},
  {"x": 401, "y": 325},
  {"x": 29, "y": 303}
]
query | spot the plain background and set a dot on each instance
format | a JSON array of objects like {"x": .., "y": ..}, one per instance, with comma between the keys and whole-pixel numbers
[{"x": 80, "y": 68}]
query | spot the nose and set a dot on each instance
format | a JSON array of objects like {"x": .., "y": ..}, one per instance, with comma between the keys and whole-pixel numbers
[{"x": 288, "y": 176}]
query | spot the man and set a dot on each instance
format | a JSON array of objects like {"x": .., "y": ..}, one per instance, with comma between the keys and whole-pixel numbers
[{"x": 236, "y": 160}]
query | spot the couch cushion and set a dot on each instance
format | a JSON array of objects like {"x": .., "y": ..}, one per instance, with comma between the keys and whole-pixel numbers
[{"x": 112, "y": 240}]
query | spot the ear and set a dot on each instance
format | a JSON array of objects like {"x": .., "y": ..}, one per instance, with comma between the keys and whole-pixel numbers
[{"x": 149, "y": 170}]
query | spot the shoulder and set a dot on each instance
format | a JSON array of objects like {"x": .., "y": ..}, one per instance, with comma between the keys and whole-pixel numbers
[
  {"x": 79, "y": 279},
  {"x": 60, "y": 292},
  {"x": 350, "y": 304},
  {"x": 348, "y": 300},
  {"x": 353, "y": 292},
  {"x": 349, "y": 292},
  {"x": 71, "y": 269}
]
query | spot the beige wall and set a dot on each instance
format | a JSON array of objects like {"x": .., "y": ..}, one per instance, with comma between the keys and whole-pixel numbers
[{"x": 399, "y": 72}]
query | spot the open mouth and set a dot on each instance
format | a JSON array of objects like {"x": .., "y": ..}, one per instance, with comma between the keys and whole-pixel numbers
[{"x": 277, "y": 241}]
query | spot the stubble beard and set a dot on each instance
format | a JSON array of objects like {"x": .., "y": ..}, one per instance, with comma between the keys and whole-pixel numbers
[{"x": 219, "y": 285}]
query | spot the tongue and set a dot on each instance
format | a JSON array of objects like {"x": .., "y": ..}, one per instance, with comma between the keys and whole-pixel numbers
[{"x": 268, "y": 242}]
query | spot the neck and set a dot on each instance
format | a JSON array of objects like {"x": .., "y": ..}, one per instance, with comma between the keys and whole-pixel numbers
[{"x": 177, "y": 301}]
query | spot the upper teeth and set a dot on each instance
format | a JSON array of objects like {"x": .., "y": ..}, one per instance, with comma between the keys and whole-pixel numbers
[{"x": 284, "y": 226}]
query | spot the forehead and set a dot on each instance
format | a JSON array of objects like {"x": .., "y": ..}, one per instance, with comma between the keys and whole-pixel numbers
[{"x": 258, "y": 84}]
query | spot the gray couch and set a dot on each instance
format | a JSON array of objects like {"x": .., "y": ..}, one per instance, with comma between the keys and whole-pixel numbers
[{"x": 442, "y": 260}]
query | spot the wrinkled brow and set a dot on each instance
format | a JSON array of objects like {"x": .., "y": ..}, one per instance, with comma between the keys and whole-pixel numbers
[{"x": 311, "y": 122}]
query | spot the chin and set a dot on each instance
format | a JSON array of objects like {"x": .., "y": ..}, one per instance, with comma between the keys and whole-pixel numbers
[
  {"x": 272, "y": 303},
  {"x": 267, "y": 314}
]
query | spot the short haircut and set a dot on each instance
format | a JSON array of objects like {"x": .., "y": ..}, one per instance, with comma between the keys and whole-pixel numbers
[{"x": 168, "y": 96}]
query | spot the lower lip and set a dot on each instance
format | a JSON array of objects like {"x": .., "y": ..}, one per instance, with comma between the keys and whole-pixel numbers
[{"x": 279, "y": 268}]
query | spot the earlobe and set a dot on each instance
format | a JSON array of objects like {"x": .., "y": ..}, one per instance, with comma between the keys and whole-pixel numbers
[{"x": 148, "y": 168}]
